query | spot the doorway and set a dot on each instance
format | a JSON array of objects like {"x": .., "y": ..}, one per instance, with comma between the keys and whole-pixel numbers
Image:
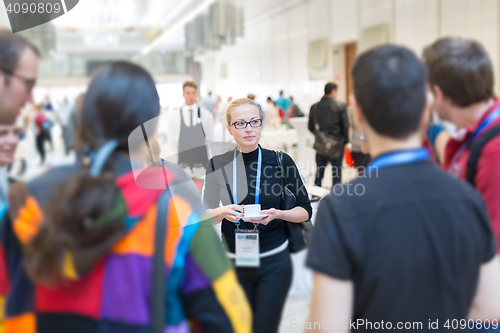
[{"x": 350, "y": 56}]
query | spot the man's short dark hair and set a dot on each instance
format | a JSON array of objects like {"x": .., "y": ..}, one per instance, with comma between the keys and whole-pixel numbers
[
  {"x": 329, "y": 87},
  {"x": 390, "y": 87},
  {"x": 461, "y": 68},
  {"x": 11, "y": 47}
]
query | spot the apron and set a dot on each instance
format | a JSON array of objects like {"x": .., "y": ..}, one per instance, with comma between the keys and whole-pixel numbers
[{"x": 192, "y": 148}]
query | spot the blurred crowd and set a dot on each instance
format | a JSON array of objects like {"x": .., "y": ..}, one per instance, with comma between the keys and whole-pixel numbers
[{"x": 122, "y": 239}]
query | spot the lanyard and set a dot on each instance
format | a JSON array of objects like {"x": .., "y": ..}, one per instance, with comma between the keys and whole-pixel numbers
[
  {"x": 3, "y": 209},
  {"x": 492, "y": 117},
  {"x": 401, "y": 157},
  {"x": 257, "y": 186}
]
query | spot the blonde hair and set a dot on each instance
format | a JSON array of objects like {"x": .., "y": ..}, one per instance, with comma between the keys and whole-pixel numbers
[
  {"x": 154, "y": 150},
  {"x": 239, "y": 102}
]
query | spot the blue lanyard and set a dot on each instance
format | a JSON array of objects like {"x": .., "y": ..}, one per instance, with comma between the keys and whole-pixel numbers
[
  {"x": 3, "y": 209},
  {"x": 492, "y": 117},
  {"x": 400, "y": 157},
  {"x": 257, "y": 186}
]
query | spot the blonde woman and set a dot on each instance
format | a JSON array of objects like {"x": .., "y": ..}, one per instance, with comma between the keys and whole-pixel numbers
[{"x": 245, "y": 176}]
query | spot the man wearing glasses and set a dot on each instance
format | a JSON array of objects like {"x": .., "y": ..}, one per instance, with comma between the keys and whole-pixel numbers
[{"x": 18, "y": 74}]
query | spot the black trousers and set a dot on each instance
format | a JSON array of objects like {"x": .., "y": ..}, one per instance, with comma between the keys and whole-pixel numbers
[
  {"x": 321, "y": 162},
  {"x": 40, "y": 143},
  {"x": 266, "y": 288}
]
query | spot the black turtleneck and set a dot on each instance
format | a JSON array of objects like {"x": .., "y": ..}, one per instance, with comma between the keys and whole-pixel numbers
[{"x": 216, "y": 191}]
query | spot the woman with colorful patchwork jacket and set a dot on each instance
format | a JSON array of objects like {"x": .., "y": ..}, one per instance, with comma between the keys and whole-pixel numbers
[{"x": 77, "y": 247}]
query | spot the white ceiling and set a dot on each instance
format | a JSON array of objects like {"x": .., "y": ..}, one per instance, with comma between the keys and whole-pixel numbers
[
  {"x": 101, "y": 25},
  {"x": 102, "y": 14},
  {"x": 256, "y": 8}
]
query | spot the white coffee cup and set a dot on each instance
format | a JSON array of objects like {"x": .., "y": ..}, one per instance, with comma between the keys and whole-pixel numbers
[{"x": 252, "y": 210}]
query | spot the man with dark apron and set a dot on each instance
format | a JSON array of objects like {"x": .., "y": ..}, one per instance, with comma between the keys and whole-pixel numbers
[
  {"x": 191, "y": 131},
  {"x": 192, "y": 146}
]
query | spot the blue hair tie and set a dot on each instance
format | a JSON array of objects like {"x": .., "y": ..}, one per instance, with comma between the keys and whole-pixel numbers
[{"x": 101, "y": 156}]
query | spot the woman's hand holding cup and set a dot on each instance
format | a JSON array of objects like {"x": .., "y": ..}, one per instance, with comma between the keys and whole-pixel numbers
[
  {"x": 232, "y": 213},
  {"x": 271, "y": 213}
]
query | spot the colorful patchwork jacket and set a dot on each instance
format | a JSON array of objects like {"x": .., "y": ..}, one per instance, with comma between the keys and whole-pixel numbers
[{"x": 202, "y": 292}]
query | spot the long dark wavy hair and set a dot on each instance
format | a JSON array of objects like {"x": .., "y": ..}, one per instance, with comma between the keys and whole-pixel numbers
[{"x": 121, "y": 97}]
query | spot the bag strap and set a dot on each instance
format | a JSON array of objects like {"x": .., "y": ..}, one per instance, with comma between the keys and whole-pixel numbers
[
  {"x": 158, "y": 297},
  {"x": 476, "y": 148},
  {"x": 279, "y": 159}
]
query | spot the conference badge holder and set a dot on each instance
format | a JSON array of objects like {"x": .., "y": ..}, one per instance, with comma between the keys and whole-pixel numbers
[
  {"x": 247, "y": 240},
  {"x": 247, "y": 247}
]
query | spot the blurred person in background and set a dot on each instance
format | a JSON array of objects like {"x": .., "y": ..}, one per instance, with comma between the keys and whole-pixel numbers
[
  {"x": 191, "y": 128},
  {"x": 47, "y": 104},
  {"x": 284, "y": 106},
  {"x": 332, "y": 118},
  {"x": 415, "y": 244},
  {"x": 296, "y": 111},
  {"x": 43, "y": 124},
  {"x": 78, "y": 251},
  {"x": 273, "y": 119},
  {"x": 209, "y": 103},
  {"x": 222, "y": 116},
  {"x": 360, "y": 159},
  {"x": 266, "y": 284},
  {"x": 19, "y": 165},
  {"x": 219, "y": 107},
  {"x": 252, "y": 97},
  {"x": 18, "y": 74},
  {"x": 63, "y": 114}
]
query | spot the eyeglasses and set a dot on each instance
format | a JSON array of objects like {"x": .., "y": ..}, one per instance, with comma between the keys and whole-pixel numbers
[
  {"x": 17, "y": 132},
  {"x": 240, "y": 124},
  {"x": 29, "y": 83}
]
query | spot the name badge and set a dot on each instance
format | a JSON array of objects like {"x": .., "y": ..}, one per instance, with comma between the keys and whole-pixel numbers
[{"x": 247, "y": 248}]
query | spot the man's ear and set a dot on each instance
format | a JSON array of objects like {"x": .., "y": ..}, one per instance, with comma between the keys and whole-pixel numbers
[
  {"x": 439, "y": 96},
  {"x": 358, "y": 117},
  {"x": 426, "y": 115}
]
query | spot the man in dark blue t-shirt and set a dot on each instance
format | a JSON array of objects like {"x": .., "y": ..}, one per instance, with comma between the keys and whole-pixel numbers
[{"x": 404, "y": 246}]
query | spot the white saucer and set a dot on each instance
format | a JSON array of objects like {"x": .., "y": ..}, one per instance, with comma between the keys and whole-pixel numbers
[{"x": 258, "y": 217}]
